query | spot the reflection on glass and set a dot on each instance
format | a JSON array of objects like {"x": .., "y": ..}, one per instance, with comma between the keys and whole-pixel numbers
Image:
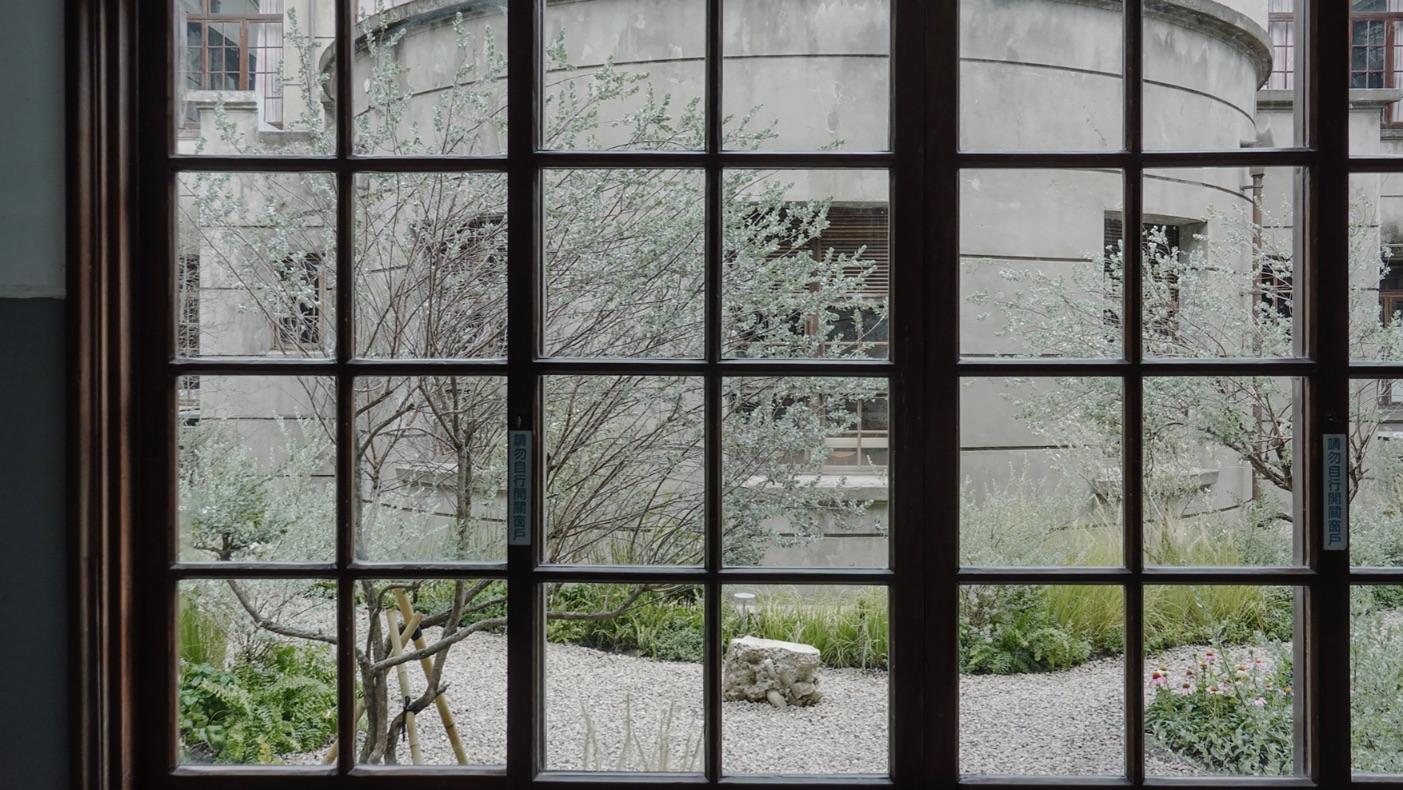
[
  {"x": 256, "y": 680},
  {"x": 1219, "y": 476},
  {"x": 1040, "y": 471},
  {"x": 255, "y": 468},
  {"x": 1376, "y": 673},
  {"x": 1026, "y": 86},
  {"x": 428, "y": 78},
  {"x": 806, "y": 76},
  {"x": 449, "y": 705},
  {"x": 254, "y": 77},
  {"x": 1375, "y": 268},
  {"x": 804, "y": 682},
  {"x": 623, "y": 476},
  {"x": 1218, "y": 681},
  {"x": 255, "y": 270},
  {"x": 805, "y": 464},
  {"x": 623, "y": 669},
  {"x": 1374, "y": 470},
  {"x": 1068, "y": 643},
  {"x": 432, "y": 457},
  {"x": 807, "y": 264},
  {"x": 623, "y": 263},
  {"x": 431, "y": 265},
  {"x": 625, "y": 76},
  {"x": 1038, "y": 252}
]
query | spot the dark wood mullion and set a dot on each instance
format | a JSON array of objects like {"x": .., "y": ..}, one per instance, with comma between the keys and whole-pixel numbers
[
  {"x": 1327, "y": 626},
  {"x": 1132, "y": 444},
  {"x": 712, "y": 652},
  {"x": 346, "y": 467}
]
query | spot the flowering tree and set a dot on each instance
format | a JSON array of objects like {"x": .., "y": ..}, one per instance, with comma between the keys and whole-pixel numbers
[{"x": 623, "y": 277}]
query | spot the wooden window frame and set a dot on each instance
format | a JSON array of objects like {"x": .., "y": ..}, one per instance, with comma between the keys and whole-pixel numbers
[{"x": 120, "y": 203}]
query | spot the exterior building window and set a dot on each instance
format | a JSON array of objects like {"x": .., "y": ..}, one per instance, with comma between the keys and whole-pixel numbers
[
  {"x": 1376, "y": 48},
  {"x": 235, "y": 46},
  {"x": 1161, "y": 242},
  {"x": 299, "y": 318}
]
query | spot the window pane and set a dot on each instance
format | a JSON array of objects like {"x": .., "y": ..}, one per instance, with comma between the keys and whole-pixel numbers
[
  {"x": 1374, "y": 473},
  {"x": 806, "y": 76},
  {"x": 1026, "y": 652},
  {"x": 255, "y": 468},
  {"x": 261, "y": 84},
  {"x": 805, "y": 471},
  {"x": 460, "y": 632},
  {"x": 1037, "y": 263},
  {"x": 804, "y": 679},
  {"x": 624, "y": 262},
  {"x": 1219, "y": 477},
  {"x": 431, "y": 265},
  {"x": 1219, "y": 682},
  {"x": 1375, "y": 267},
  {"x": 1040, "y": 472},
  {"x": 623, "y": 470},
  {"x": 1376, "y": 671},
  {"x": 429, "y": 78},
  {"x": 1218, "y": 272},
  {"x": 625, "y": 75},
  {"x": 623, "y": 668},
  {"x": 1025, "y": 87},
  {"x": 432, "y": 457},
  {"x": 256, "y": 680},
  {"x": 256, "y": 265},
  {"x": 807, "y": 263}
]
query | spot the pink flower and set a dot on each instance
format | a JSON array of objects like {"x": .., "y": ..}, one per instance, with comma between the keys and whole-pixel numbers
[
  {"x": 1259, "y": 703},
  {"x": 1210, "y": 657}
]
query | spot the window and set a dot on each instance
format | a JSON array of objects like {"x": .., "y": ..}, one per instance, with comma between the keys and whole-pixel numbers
[
  {"x": 492, "y": 426},
  {"x": 235, "y": 46},
  {"x": 1376, "y": 52}
]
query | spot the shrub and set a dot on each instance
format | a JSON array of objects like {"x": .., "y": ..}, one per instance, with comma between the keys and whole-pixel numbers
[
  {"x": 1376, "y": 685},
  {"x": 1011, "y": 630},
  {"x": 1227, "y": 717},
  {"x": 280, "y": 703},
  {"x": 849, "y": 630}
]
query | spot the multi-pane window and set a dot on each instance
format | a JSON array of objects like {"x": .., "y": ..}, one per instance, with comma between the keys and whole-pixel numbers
[{"x": 673, "y": 389}]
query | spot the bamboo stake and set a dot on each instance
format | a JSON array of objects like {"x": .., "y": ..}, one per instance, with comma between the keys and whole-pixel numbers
[
  {"x": 396, "y": 648},
  {"x": 441, "y": 701}
]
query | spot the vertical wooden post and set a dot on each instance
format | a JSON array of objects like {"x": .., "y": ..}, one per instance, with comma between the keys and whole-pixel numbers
[
  {"x": 396, "y": 648},
  {"x": 440, "y": 701}
]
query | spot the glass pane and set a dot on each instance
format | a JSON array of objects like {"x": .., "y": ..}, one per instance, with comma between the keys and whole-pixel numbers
[
  {"x": 624, "y": 260},
  {"x": 256, "y": 265},
  {"x": 1027, "y": 652},
  {"x": 428, "y": 78},
  {"x": 623, "y": 669},
  {"x": 1037, "y": 255},
  {"x": 1375, "y": 267},
  {"x": 263, "y": 87},
  {"x": 431, "y": 265},
  {"x": 806, "y": 76},
  {"x": 1203, "y": 72},
  {"x": 622, "y": 76},
  {"x": 1024, "y": 84},
  {"x": 623, "y": 477},
  {"x": 256, "y": 468},
  {"x": 807, "y": 263},
  {"x": 804, "y": 679},
  {"x": 805, "y": 471},
  {"x": 457, "y": 628},
  {"x": 1040, "y": 472},
  {"x": 1219, "y": 686},
  {"x": 1219, "y": 476},
  {"x": 1374, "y": 473},
  {"x": 1376, "y": 672},
  {"x": 432, "y": 457},
  {"x": 256, "y": 678},
  {"x": 1218, "y": 272}
]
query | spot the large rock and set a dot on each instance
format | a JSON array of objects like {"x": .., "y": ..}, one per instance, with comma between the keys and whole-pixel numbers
[{"x": 768, "y": 670}]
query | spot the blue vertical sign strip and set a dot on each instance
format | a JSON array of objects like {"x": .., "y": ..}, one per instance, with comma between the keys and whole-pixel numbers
[
  {"x": 1336, "y": 493},
  {"x": 519, "y": 488}
]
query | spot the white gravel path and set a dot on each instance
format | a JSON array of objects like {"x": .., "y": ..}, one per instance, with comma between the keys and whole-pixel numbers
[{"x": 1051, "y": 723}]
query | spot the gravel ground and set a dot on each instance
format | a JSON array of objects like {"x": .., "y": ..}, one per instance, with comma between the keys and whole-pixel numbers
[{"x": 1052, "y": 723}]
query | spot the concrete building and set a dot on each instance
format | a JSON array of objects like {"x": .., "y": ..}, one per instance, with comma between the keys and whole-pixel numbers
[{"x": 1037, "y": 75}]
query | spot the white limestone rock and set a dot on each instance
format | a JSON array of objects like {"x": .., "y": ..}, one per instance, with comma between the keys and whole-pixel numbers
[{"x": 769, "y": 670}]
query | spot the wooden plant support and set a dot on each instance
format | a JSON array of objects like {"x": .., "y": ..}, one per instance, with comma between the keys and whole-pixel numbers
[
  {"x": 411, "y": 625},
  {"x": 440, "y": 701},
  {"x": 335, "y": 750},
  {"x": 396, "y": 648}
]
